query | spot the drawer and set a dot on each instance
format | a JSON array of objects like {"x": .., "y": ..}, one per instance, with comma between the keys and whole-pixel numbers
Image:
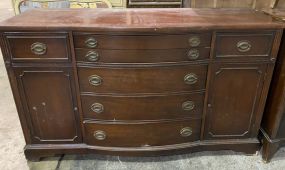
[
  {"x": 154, "y": 79},
  {"x": 142, "y": 107},
  {"x": 41, "y": 47},
  {"x": 142, "y": 56},
  {"x": 141, "y": 134},
  {"x": 141, "y": 41},
  {"x": 247, "y": 45}
]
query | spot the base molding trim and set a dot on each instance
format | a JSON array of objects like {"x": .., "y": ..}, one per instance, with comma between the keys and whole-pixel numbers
[{"x": 249, "y": 146}]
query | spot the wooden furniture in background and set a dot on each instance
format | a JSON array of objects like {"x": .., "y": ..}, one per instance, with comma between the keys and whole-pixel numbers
[
  {"x": 254, "y": 4},
  {"x": 140, "y": 81},
  {"x": 273, "y": 122},
  {"x": 155, "y": 3}
]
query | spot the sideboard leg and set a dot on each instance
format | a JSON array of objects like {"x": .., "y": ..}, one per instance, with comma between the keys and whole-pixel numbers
[
  {"x": 35, "y": 155},
  {"x": 32, "y": 157},
  {"x": 268, "y": 150}
]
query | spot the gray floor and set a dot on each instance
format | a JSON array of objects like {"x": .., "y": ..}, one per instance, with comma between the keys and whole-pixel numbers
[{"x": 12, "y": 143}]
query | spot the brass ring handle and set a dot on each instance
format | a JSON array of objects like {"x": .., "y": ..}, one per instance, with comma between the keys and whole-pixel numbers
[
  {"x": 39, "y": 48},
  {"x": 186, "y": 131},
  {"x": 193, "y": 54},
  {"x": 97, "y": 107},
  {"x": 92, "y": 56},
  {"x": 194, "y": 41},
  {"x": 91, "y": 42},
  {"x": 99, "y": 135},
  {"x": 243, "y": 46},
  {"x": 95, "y": 80},
  {"x": 188, "y": 105},
  {"x": 191, "y": 78}
]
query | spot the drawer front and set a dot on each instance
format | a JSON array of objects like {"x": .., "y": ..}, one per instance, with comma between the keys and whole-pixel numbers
[
  {"x": 39, "y": 47},
  {"x": 141, "y": 41},
  {"x": 142, "y": 134},
  {"x": 142, "y": 108},
  {"x": 142, "y": 56},
  {"x": 247, "y": 45},
  {"x": 155, "y": 79}
]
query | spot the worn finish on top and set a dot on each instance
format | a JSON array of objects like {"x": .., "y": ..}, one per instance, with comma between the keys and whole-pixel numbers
[{"x": 139, "y": 19}]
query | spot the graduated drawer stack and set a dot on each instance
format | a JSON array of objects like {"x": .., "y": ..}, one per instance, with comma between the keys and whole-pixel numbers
[{"x": 142, "y": 90}]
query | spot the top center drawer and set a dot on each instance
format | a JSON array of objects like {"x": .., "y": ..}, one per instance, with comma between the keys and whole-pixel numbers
[{"x": 95, "y": 41}]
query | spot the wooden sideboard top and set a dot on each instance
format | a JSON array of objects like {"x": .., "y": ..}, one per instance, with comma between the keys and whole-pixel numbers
[{"x": 159, "y": 20}]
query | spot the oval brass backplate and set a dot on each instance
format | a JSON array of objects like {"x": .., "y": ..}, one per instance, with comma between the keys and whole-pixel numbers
[
  {"x": 39, "y": 48},
  {"x": 92, "y": 56},
  {"x": 95, "y": 80},
  {"x": 243, "y": 46},
  {"x": 194, "y": 41},
  {"x": 186, "y": 131},
  {"x": 193, "y": 54},
  {"x": 91, "y": 42},
  {"x": 100, "y": 135},
  {"x": 191, "y": 78},
  {"x": 97, "y": 107},
  {"x": 188, "y": 105}
]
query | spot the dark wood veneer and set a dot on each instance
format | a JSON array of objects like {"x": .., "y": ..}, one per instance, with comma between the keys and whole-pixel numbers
[
  {"x": 145, "y": 21},
  {"x": 57, "y": 47},
  {"x": 261, "y": 44},
  {"x": 143, "y": 61},
  {"x": 142, "y": 41},
  {"x": 233, "y": 102},
  {"x": 142, "y": 56},
  {"x": 142, "y": 134},
  {"x": 49, "y": 104},
  {"x": 157, "y": 79},
  {"x": 146, "y": 107}
]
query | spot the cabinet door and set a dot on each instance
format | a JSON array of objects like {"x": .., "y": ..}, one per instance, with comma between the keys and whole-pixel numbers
[
  {"x": 49, "y": 104},
  {"x": 233, "y": 100}
]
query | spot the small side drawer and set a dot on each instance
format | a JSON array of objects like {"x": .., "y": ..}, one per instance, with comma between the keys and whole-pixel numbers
[
  {"x": 142, "y": 56},
  {"x": 141, "y": 134},
  {"x": 142, "y": 107},
  {"x": 95, "y": 41},
  {"x": 247, "y": 45},
  {"x": 38, "y": 47},
  {"x": 156, "y": 79}
]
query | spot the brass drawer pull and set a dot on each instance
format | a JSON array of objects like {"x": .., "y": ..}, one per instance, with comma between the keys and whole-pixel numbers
[
  {"x": 194, "y": 41},
  {"x": 193, "y": 54},
  {"x": 186, "y": 131},
  {"x": 91, "y": 42},
  {"x": 100, "y": 135},
  {"x": 188, "y": 105},
  {"x": 97, "y": 107},
  {"x": 39, "y": 48},
  {"x": 92, "y": 56},
  {"x": 191, "y": 78},
  {"x": 243, "y": 46},
  {"x": 95, "y": 80}
]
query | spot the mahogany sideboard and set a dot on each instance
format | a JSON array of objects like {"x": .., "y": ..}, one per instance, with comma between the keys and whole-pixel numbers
[{"x": 140, "y": 82}]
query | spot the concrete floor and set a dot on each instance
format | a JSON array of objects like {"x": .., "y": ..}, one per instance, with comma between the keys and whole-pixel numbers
[{"x": 12, "y": 143}]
